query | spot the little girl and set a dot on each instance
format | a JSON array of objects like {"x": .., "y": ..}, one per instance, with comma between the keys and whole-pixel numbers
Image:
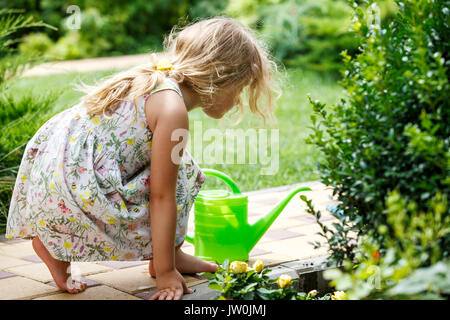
[{"x": 98, "y": 181}]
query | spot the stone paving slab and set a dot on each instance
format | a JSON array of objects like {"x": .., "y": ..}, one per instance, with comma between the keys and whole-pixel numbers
[
  {"x": 24, "y": 276},
  {"x": 94, "y": 293},
  {"x": 20, "y": 288}
]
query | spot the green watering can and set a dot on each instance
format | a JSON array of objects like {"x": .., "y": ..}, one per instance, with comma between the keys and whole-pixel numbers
[{"x": 220, "y": 221}]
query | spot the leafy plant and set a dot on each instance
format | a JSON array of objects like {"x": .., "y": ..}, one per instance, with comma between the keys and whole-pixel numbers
[
  {"x": 303, "y": 33},
  {"x": 393, "y": 132},
  {"x": 237, "y": 281},
  {"x": 404, "y": 270},
  {"x": 18, "y": 115}
]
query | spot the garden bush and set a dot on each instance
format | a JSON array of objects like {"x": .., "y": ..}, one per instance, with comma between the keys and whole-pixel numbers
[
  {"x": 110, "y": 28},
  {"x": 390, "y": 141},
  {"x": 20, "y": 116},
  {"x": 304, "y": 33}
]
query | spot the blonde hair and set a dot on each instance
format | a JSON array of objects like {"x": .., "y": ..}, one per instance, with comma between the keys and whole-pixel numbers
[{"x": 207, "y": 56}]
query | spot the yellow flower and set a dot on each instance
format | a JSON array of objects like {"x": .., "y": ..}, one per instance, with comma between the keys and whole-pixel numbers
[
  {"x": 52, "y": 186},
  {"x": 149, "y": 144},
  {"x": 24, "y": 177},
  {"x": 258, "y": 266},
  {"x": 114, "y": 257},
  {"x": 108, "y": 249},
  {"x": 96, "y": 120},
  {"x": 284, "y": 280},
  {"x": 123, "y": 206},
  {"x": 42, "y": 223},
  {"x": 8, "y": 236},
  {"x": 238, "y": 267},
  {"x": 357, "y": 26},
  {"x": 339, "y": 295},
  {"x": 73, "y": 220},
  {"x": 111, "y": 221},
  {"x": 56, "y": 174},
  {"x": 72, "y": 139},
  {"x": 67, "y": 245},
  {"x": 99, "y": 147},
  {"x": 312, "y": 293},
  {"x": 130, "y": 141}
]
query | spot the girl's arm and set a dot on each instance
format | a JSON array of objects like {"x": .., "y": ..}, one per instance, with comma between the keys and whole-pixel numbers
[{"x": 165, "y": 112}]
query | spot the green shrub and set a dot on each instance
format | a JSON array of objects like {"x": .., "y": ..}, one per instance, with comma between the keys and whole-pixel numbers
[
  {"x": 35, "y": 44},
  {"x": 20, "y": 116},
  {"x": 393, "y": 132},
  {"x": 303, "y": 33},
  {"x": 110, "y": 27},
  {"x": 397, "y": 272}
]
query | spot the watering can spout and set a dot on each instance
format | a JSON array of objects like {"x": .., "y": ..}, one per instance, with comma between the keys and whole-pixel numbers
[{"x": 260, "y": 227}]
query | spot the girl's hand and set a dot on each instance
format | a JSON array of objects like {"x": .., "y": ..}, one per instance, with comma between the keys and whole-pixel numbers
[{"x": 171, "y": 286}]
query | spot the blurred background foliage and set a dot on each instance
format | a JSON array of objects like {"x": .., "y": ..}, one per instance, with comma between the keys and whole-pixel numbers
[{"x": 301, "y": 33}]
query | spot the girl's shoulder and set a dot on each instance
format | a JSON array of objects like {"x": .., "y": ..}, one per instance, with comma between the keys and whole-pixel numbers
[
  {"x": 167, "y": 84},
  {"x": 169, "y": 106}
]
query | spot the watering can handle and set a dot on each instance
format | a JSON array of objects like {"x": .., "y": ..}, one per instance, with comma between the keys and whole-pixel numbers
[{"x": 223, "y": 177}]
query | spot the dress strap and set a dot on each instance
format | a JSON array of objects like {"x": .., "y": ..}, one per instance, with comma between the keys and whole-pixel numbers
[{"x": 167, "y": 83}]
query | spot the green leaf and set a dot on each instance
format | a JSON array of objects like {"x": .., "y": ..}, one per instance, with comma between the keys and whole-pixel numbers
[{"x": 215, "y": 286}]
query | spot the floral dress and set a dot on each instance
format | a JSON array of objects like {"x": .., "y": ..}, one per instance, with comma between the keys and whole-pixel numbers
[{"x": 83, "y": 185}]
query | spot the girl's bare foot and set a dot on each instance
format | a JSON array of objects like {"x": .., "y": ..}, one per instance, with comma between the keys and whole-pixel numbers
[
  {"x": 58, "y": 269},
  {"x": 185, "y": 263}
]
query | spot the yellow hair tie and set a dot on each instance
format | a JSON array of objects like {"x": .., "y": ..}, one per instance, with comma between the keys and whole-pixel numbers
[{"x": 164, "y": 65}]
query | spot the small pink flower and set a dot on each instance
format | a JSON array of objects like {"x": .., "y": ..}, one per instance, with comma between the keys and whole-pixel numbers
[
  {"x": 81, "y": 169},
  {"x": 100, "y": 224},
  {"x": 62, "y": 228},
  {"x": 101, "y": 170}
]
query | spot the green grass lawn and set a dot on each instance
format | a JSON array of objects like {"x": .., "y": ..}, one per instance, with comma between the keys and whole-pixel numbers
[{"x": 297, "y": 160}]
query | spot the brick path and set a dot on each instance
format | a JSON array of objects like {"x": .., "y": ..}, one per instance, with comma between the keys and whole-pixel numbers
[{"x": 24, "y": 276}]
